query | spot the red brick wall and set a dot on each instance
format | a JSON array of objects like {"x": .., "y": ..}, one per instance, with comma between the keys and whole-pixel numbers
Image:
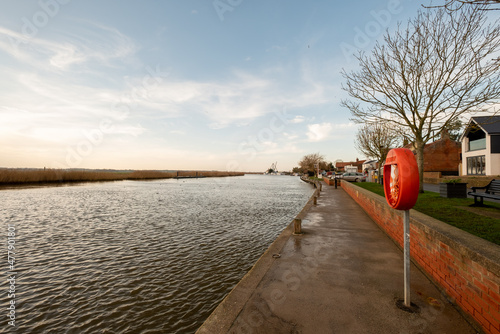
[
  {"x": 330, "y": 182},
  {"x": 466, "y": 267},
  {"x": 442, "y": 156}
]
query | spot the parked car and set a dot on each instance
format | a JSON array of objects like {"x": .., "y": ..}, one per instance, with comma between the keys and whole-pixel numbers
[{"x": 354, "y": 177}]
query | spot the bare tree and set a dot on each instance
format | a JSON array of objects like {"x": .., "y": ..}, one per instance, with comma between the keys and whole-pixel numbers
[
  {"x": 454, "y": 130},
  {"x": 324, "y": 165},
  {"x": 310, "y": 161},
  {"x": 454, "y": 5},
  {"x": 426, "y": 76},
  {"x": 375, "y": 141}
]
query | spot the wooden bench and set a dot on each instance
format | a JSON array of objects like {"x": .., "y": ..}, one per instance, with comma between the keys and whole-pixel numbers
[{"x": 491, "y": 191}]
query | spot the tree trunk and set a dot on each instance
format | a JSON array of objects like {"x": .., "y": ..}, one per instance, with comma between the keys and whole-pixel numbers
[
  {"x": 419, "y": 147},
  {"x": 379, "y": 180}
]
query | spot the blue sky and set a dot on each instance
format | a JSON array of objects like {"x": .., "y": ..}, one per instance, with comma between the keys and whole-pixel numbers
[{"x": 192, "y": 84}]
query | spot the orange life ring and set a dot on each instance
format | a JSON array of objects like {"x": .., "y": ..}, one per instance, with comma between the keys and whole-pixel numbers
[{"x": 401, "y": 181}]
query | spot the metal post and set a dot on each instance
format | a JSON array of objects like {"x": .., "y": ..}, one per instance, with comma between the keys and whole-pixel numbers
[{"x": 407, "y": 257}]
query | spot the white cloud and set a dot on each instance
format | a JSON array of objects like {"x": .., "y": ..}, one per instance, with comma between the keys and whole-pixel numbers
[
  {"x": 84, "y": 43},
  {"x": 239, "y": 100},
  {"x": 62, "y": 87},
  {"x": 298, "y": 119},
  {"x": 290, "y": 136},
  {"x": 235, "y": 101},
  {"x": 319, "y": 132}
]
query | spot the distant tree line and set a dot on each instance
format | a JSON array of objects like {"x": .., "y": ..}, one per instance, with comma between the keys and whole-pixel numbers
[{"x": 310, "y": 163}]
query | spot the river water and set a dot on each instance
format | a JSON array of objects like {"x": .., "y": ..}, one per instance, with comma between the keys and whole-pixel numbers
[{"x": 137, "y": 256}]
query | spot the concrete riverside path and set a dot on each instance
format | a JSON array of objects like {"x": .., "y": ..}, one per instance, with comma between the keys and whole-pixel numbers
[{"x": 342, "y": 275}]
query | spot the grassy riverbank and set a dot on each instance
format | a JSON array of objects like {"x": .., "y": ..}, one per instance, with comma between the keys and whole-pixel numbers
[
  {"x": 34, "y": 176},
  {"x": 483, "y": 222}
]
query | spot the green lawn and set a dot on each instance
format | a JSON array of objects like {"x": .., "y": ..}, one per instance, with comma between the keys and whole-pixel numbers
[{"x": 483, "y": 222}]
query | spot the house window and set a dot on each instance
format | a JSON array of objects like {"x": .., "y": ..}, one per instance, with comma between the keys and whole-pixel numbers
[
  {"x": 476, "y": 165},
  {"x": 477, "y": 139},
  {"x": 478, "y": 144},
  {"x": 495, "y": 143}
]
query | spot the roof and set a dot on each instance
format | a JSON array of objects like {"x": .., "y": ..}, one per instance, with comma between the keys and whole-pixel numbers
[
  {"x": 490, "y": 124},
  {"x": 349, "y": 163}
]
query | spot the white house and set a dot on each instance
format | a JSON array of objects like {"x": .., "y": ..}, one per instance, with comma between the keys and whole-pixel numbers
[
  {"x": 350, "y": 169},
  {"x": 481, "y": 146},
  {"x": 369, "y": 165}
]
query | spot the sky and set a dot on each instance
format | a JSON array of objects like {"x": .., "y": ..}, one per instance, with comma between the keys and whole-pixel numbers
[{"x": 192, "y": 84}]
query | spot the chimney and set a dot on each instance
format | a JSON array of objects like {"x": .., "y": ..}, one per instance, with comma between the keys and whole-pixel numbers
[
  {"x": 445, "y": 134},
  {"x": 357, "y": 160}
]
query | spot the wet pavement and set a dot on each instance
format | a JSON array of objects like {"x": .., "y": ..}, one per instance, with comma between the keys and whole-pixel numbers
[{"x": 342, "y": 275}]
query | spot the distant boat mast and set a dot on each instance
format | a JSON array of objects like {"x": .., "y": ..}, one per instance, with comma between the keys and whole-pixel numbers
[{"x": 273, "y": 169}]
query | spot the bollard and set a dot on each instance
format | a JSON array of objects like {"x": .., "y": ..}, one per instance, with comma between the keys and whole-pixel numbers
[
  {"x": 335, "y": 183},
  {"x": 315, "y": 200},
  {"x": 321, "y": 187},
  {"x": 297, "y": 226}
]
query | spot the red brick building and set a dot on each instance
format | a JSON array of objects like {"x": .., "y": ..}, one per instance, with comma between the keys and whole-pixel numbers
[
  {"x": 358, "y": 163},
  {"x": 443, "y": 155}
]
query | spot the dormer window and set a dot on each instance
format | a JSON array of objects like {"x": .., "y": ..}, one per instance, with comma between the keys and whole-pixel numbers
[{"x": 477, "y": 139}]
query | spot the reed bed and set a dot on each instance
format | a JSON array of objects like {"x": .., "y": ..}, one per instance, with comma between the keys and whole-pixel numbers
[
  {"x": 213, "y": 174},
  {"x": 30, "y": 176},
  {"x": 150, "y": 174}
]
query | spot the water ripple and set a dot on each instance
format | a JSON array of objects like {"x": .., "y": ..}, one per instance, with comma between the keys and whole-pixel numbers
[{"x": 149, "y": 257}]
